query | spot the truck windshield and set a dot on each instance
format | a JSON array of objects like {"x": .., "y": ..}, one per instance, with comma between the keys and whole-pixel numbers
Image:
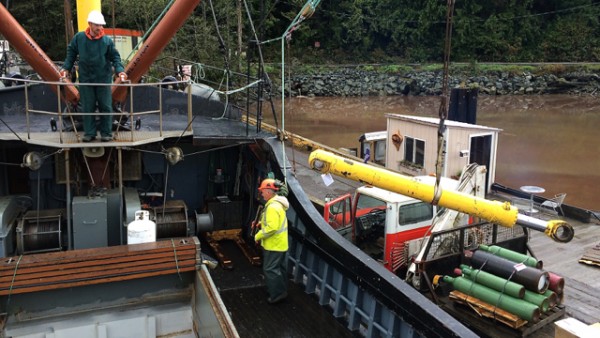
[
  {"x": 368, "y": 202},
  {"x": 415, "y": 213}
]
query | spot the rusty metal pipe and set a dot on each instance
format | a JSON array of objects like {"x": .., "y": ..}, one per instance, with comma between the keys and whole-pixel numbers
[
  {"x": 33, "y": 54},
  {"x": 154, "y": 44}
]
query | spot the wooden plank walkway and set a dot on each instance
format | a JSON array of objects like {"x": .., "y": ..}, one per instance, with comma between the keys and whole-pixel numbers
[{"x": 64, "y": 269}]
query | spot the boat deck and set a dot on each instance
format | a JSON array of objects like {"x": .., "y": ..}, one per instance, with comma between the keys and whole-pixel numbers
[
  {"x": 151, "y": 121},
  {"x": 288, "y": 318},
  {"x": 582, "y": 285}
]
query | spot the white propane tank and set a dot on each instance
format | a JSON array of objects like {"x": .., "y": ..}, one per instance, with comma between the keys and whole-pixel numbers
[{"x": 142, "y": 229}]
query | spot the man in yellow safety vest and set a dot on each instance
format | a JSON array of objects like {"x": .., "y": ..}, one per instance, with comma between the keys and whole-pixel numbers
[{"x": 273, "y": 236}]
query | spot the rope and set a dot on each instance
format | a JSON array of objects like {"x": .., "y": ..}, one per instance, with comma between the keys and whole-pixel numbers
[
  {"x": 239, "y": 89},
  {"x": 175, "y": 255},
  {"x": 165, "y": 192},
  {"x": 107, "y": 162},
  {"x": 306, "y": 11},
  {"x": 13, "y": 281},
  {"x": 290, "y": 101},
  {"x": 212, "y": 149},
  {"x": 15, "y": 164},
  {"x": 52, "y": 154},
  {"x": 200, "y": 72},
  {"x": 9, "y": 128},
  {"x": 144, "y": 151},
  {"x": 68, "y": 108},
  {"x": 225, "y": 59},
  {"x": 443, "y": 112},
  {"x": 262, "y": 74},
  {"x": 87, "y": 165},
  {"x": 39, "y": 183},
  {"x": 226, "y": 105}
]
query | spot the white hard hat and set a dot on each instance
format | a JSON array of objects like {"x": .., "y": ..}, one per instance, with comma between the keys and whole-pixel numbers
[{"x": 96, "y": 17}]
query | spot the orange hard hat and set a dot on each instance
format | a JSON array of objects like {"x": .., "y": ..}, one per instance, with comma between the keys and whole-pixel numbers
[{"x": 268, "y": 183}]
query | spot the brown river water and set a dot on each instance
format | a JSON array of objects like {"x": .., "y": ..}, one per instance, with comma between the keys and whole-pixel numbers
[{"x": 551, "y": 141}]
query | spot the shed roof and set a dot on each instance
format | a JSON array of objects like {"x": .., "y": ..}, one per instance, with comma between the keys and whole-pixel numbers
[
  {"x": 434, "y": 121},
  {"x": 372, "y": 136}
]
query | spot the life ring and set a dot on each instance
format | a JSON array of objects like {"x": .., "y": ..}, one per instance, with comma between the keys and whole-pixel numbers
[{"x": 397, "y": 139}]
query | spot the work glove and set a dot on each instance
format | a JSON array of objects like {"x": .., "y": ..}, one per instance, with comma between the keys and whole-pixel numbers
[
  {"x": 123, "y": 76},
  {"x": 282, "y": 188},
  {"x": 64, "y": 74}
]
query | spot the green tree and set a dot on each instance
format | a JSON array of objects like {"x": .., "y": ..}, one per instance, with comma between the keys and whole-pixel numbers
[
  {"x": 356, "y": 31},
  {"x": 573, "y": 34},
  {"x": 44, "y": 22}
]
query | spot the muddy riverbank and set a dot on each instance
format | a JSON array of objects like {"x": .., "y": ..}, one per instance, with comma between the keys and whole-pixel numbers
[{"x": 357, "y": 82}]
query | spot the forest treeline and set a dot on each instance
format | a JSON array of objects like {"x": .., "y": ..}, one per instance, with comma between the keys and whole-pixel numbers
[{"x": 357, "y": 31}]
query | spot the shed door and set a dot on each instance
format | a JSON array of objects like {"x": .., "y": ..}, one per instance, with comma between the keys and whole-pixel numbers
[{"x": 480, "y": 153}]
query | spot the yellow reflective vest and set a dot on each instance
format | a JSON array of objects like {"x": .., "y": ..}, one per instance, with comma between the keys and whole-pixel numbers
[{"x": 273, "y": 233}]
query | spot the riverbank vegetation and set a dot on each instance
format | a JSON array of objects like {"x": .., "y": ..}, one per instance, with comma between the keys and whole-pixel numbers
[
  {"x": 384, "y": 34},
  {"x": 470, "y": 68}
]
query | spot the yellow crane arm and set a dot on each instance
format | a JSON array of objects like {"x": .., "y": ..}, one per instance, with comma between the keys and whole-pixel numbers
[{"x": 501, "y": 213}]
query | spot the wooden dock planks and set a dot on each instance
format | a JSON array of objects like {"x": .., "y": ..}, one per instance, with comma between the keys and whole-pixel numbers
[
  {"x": 487, "y": 310},
  {"x": 514, "y": 326},
  {"x": 32, "y": 273},
  {"x": 591, "y": 256}
]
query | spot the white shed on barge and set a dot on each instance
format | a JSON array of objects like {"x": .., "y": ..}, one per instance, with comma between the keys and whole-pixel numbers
[{"x": 412, "y": 146}]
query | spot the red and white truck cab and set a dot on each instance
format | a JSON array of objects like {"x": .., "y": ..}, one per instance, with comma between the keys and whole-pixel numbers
[{"x": 380, "y": 222}]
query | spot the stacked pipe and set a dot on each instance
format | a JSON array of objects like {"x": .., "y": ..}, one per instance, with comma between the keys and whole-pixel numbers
[
  {"x": 556, "y": 283},
  {"x": 510, "y": 281}
]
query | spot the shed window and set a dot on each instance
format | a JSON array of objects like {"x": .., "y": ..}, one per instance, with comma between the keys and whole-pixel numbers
[
  {"x": 414, "y": 151},
  {"x": 380, "y": 151}
]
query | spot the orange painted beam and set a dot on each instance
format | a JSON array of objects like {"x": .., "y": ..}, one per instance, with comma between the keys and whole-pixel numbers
[
  {"x": 32, "y": 53},
  {"x": 154, "y": 44}
]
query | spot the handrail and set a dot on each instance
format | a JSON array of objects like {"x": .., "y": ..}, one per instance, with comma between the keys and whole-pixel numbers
[{"x": 26, "y": 83}]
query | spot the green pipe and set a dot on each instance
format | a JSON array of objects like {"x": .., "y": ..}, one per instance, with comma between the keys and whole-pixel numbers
[
  {"x": 540, "y": 300},
  {"x": 553, "y": 297},
  {"x": 512, "y": 255},
  {"x": 518, "y": 307},
  {"x": 494, "y": 282}
]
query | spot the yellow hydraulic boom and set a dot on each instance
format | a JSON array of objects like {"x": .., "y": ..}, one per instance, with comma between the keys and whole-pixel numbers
[{"x": 501, "y": 213}]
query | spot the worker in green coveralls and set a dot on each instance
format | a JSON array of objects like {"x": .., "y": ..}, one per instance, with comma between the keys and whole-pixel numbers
[
  {"x": 273, "y": 236},
  {"x": 97, "y": 58}
]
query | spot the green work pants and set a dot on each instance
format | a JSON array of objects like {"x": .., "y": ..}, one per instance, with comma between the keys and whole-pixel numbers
[
  {"x": 89, "y": 97},
  {"x": 275, "y": 269}
]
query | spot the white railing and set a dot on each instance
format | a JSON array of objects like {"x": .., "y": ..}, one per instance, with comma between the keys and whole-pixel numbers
[{"x": 59, "y": 87}]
